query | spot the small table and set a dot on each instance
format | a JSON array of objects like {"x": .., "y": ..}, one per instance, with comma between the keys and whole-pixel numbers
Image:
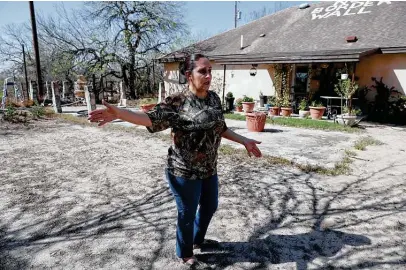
[{"x": 330, "y": 106}]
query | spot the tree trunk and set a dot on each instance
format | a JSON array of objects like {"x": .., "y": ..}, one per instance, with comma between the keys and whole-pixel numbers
[
  {"x": 125, "y": 78},
  {"x": 131, "y": 75}
]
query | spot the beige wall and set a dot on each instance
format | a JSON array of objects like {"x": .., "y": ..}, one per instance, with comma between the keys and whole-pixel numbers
[
  {"x": 238, "y": 80},
  {"x": 171, "y": 79},
  {"x": 391, "y": 67}
]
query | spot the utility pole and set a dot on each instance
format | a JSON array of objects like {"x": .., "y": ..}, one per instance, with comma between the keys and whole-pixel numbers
[
  {"x": 25, "y": 71},
  {"x": 235, "y": 14},
  {"x": 36, "y": 50}
]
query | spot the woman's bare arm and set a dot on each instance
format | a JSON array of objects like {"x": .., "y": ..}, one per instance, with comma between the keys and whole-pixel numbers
[
  {"x": 250, "y": 145},
  {"x": 111, "y": 113}
]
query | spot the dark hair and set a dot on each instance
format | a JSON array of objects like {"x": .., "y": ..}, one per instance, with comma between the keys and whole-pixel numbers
[{"x": 189, "y": 63}]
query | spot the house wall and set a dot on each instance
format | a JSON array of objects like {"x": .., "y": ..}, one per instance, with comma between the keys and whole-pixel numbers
[
  {"x": 171, "y": 79},
  {"x": 238, "y": 80},
  {"x": 391, "y": 67}
]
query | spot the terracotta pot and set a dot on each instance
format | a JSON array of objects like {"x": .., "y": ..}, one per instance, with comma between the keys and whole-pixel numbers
[
  {"x": 238, "y": 108},
  {"x": 274, "y": 111},
  {"x": 147, "y": 107},
  {"x": 285, "y": 111},
  {"x": 248, "y": 106},
  {"x": 255, "y": 121},
  {"x": 317, "y": 112}
]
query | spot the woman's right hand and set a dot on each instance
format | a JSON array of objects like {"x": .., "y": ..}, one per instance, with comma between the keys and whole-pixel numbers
[{"x": 104, "y": 116}]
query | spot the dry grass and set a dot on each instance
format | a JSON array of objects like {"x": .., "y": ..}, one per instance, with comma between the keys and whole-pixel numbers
[
  {"x": 342, "y": 167},
  {"x": 363, "y": 142}
]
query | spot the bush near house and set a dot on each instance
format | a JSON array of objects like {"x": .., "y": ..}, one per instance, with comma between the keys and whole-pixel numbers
[{"x": 389, "y": 105}]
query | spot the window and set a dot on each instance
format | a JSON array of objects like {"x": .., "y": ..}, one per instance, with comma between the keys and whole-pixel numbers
[{"x": 301, "y": 77}]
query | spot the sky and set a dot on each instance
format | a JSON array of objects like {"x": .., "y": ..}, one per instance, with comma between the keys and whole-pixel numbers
[
  {"x": 204, "y": 18},
  {"x": 197, "y": 12}
]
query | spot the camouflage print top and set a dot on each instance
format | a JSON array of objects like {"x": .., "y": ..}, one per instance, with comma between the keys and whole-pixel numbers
[{"x": 197, "y": 125}]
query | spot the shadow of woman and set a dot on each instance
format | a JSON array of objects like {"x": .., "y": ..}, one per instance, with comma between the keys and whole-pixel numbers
[{"x": 277, "y": 249}]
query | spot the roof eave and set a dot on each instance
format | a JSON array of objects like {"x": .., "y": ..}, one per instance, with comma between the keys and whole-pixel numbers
[{"x": 393, "y": 50}]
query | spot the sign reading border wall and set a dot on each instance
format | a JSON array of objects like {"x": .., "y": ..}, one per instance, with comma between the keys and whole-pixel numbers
[{"x": 346, "y": 8}]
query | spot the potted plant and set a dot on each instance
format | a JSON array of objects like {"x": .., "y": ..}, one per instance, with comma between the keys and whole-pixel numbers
[
  {"x": 286, "y": 109},
  {"x": 270, "y": 102},
  {"x": 349, "y": 117},
  {"x": 147, "y": 104},
  {"x": 248, "y": 104},
  {"x": 344, "y": 75},
  {"x": 238, "y": 104},
  {"x": 275, "y": 109},
  {"x": 255, "y": 121},
  {"x": 262, "y": 99},
  {"x": 346, "y": 89},
  {"x": 229, "y": 101},
  {"x": 303, "y": 113},
  {"x": 317, "y": 110}
]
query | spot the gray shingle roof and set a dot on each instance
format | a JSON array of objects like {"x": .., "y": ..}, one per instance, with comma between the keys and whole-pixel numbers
[{"x": 320, "y": 29}]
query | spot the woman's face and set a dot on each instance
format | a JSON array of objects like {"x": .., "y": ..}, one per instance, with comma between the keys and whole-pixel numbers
[{"x": 200, "y": 77}]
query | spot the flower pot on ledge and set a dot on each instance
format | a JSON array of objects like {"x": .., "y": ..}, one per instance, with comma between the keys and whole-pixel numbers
[
  {"x": 286, "y": 111},
  {"x": 317, "y": 112},
  {"x": 347, "y": 119},
  {"x": 303, "y": 114},
  {"x": 255, "y": 121},
  {"x": 274, "y": 111},
  {"x": 248, "y": 106}
]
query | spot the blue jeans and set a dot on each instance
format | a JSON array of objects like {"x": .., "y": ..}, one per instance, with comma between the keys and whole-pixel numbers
[{"x": 192, "y": 227}]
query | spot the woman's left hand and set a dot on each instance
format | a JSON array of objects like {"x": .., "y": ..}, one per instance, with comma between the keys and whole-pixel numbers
[{"x": 251, "y": 146}]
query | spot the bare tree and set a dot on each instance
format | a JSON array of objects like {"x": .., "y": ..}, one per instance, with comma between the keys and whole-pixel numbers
[
  {"x": 264, "y": 11},
  {"x": 140, "y": 28}
]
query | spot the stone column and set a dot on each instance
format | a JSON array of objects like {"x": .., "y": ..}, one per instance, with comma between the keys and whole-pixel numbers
[
  {"x": 63, "y": 89},
  {"x": 90, "y": 98},
  {"x": 47, "y": 90},
  {"x": 56, "y": 97},
  {"x": 123, "y": 98},
  {"x": 34, "y": 91},
  {"x": 161, "y": 92}
]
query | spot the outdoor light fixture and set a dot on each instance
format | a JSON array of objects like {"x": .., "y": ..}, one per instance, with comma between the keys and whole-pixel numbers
[
  {"x": 253, "y": 70},
  {"x": 324, "y": 65}
]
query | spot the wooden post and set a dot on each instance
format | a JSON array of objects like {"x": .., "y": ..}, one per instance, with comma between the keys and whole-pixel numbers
[{"x": 40, "y": 87}]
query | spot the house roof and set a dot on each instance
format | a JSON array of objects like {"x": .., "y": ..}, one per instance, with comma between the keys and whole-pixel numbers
[{"x": 314, "y": 34}]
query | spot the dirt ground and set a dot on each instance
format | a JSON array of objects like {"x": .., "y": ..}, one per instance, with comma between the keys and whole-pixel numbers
[{"x": 81, "y": 197}]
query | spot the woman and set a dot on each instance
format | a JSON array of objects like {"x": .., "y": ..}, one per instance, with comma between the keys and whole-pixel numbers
[{"x": 198, "y": 125}]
